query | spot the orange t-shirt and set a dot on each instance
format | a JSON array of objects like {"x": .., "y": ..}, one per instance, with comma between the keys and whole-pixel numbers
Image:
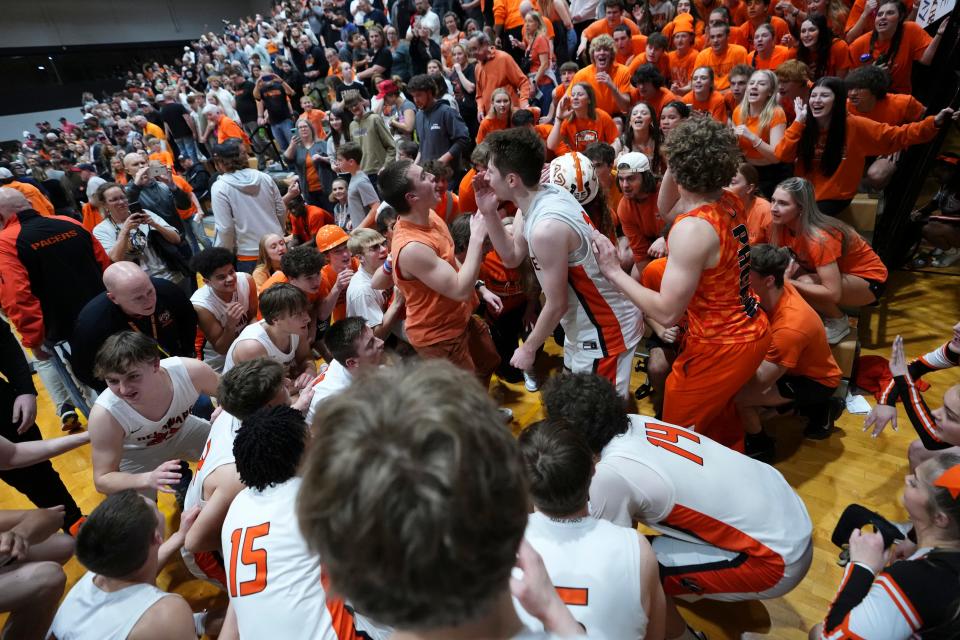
[
  {"x": 681, "y": 69},
  {"x": 184, "y": 186},
  {"x": 715, "y": 106},
  {"x": 601, "y": 27},
  {"x": 838, "y": 62},
  {"x": 468, "y": 198},
  {"x": 227, "y": 129},
  {"x": 662, "y": 97},
  {"x": 91, "y": 216},
  {"x": 662, "y": 64},
  {"x": 488, "y": 125},
  {"x": 641, "y": 224},
  {"x": 431, "y": 316},
  {"x": 912, "y": 47},
  {"x": 893, "y": 109},
  {"x": 826, "y": 247},
  {"x": 747, "y": 30},
  {"x": 758, "y": 220},
  {"x": 637, "y": 46},
  {"x": 328, "y": 278},
  {"x": 507, "y": 13},
  {"x": 779, "y": 55},
  {"x": 540, "y": 47},
  {"x": 163, "y": 157},
  {"x": 449, "y": 207},
  {"x": 580, "y": 132},
  {"x": 753, "y": 123},
  {"x": 798, "y": 340},
  {"x": 864, "y": 138},
  {"x": 306, "y": 228},
  {"x": 718, "y": 312},
  {"x": 316, "y": 118},
  {"x": 721, "y": 65},
  {"x": 505, "y": 283},
  {"x": 605, "y": 100}
]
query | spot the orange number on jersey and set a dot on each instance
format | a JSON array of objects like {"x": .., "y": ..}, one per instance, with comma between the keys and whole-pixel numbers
[
  {"x": 248, "y": 555},
  {"x": 668, "y": 437},
  {"x": 574, "y": 596},
  {"x": 206, "y": 450}
]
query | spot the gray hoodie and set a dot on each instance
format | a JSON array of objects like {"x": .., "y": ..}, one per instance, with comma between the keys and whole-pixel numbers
[{"x": 246, "y": 206}]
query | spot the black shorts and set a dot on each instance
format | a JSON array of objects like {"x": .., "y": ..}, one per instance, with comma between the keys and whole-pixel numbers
[{"x": 802, "y": 391}]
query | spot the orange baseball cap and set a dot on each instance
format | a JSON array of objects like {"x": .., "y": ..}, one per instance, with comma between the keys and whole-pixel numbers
[
  {"x": 330, "y": 236},
  {"x": 683, "y": 23}
]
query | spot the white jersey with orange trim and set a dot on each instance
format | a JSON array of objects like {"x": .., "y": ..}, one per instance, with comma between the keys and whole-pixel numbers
[
  {"x": 334, "y": 380},
  {"x": 595, "y": 567},
  {"x": 217, "y": 452},
  {"x": 273, "y": 579},
  {"x": 90, "y": 613},
  {"x": 599, "y": 317},
  {"x": 206, "y": 298},
  {"x": 692, "y": 488},
  {"x": 257, "y": 332}
]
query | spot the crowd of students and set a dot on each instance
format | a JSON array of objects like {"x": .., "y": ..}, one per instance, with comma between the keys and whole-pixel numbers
[{"x": 403, "y": 210}]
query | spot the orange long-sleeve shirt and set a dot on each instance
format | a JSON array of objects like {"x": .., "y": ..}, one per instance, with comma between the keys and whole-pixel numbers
[
  {"x": 864, "y": 138},
  {"x": 893, "y": 109},
  {"x": 501, "y": 71}
]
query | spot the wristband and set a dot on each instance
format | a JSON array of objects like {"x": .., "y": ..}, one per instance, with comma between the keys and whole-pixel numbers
[{"x": 387, "y": 267}]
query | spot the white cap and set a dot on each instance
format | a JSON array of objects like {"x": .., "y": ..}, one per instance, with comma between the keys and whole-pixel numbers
[
  {"x": 5, "y": 173},
  {"x": 93, "y": 184},
  {"x": 574, "y": 172},
  {"x": 634, "y": 162}
]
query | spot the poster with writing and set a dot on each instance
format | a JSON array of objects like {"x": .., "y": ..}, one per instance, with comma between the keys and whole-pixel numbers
[{"x": 932, "y": 10}]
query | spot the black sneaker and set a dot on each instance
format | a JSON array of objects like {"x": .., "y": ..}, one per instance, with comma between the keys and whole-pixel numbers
[
  {"x": 180, "y": 489},
  {"x": 820, "y": 419},
  {"x": 69, "y": 419},
  {"x": 760, "y": 446}
]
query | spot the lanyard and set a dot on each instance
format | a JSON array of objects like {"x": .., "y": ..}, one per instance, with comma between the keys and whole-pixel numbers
[{"x": 153, "y": 327}]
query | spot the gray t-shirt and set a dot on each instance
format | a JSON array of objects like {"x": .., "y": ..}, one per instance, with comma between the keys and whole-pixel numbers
[
  {"x": 360, "y": 197},
  {"x": 108, "y": 233}
]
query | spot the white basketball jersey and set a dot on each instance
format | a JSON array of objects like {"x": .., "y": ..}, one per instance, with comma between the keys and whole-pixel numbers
[
  {"x": 595, "y": 567},
  {"x": 719, "y": 496},
  {"x": 273, "y": 579},
  {"x": 599, "y": 317},
  {"x": 140, "y": 433},
  {"x": 257, "y": 332},
  {"x": 217, "y": 452},
  {"x": 206, "y": 298},
  {"x": 89, "y": 613}
]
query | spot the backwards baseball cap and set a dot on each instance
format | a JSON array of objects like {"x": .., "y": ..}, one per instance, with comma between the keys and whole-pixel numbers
[
  {"x": 387, "y": 87},
  {"x": 574, "y": 172},
  {"x": 632, "y": 163},
  {"x": 330, "y": 236}
]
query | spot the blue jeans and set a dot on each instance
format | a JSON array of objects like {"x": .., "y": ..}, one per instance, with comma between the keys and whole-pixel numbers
[
  {"x": 195, "y": 235},
  {"x": 188, "y": 147},
  {"x": 281, "y": 133}
]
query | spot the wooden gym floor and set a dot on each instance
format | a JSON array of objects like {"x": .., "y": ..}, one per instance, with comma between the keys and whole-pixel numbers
[{"x": 848, "y": 467}]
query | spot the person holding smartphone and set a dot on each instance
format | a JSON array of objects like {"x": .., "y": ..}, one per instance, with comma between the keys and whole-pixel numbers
[{"x": 125, "y": 229}]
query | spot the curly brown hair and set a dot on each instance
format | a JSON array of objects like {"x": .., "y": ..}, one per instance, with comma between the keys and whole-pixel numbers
[{"x": 702, "y": 154}]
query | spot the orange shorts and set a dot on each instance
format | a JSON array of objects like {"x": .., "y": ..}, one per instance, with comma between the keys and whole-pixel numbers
[
  {"x": 703, "y": 382},
  {"x": 473, "y": 350}
]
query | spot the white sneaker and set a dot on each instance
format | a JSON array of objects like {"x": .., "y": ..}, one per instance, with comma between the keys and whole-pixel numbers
[
  {"x": 530, "y": 381},
  {"x": 837, "y": 328},
  {"x": 947, "y": 258}
]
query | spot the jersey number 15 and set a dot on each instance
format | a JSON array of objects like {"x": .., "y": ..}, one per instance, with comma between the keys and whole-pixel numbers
[{"x": 241, "y": 544}]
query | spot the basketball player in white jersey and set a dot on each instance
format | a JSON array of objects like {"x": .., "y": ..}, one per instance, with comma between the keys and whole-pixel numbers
[
  {"x": 225, "y": 304},
  {"x": 247, "y": 387},
  {"x": 355, "y": 349},
  {"x": 601, "y": 325},
  {"x": 274, "y": 582},
  {"x": 280, "y": 336},
  {"x": 607, "y": 575},
  {"x": 141, "y": 425},
  {"x": 402, "y": 462},
  {"x": 733, "y": 529},
  {"x": 122, "y": 547}
]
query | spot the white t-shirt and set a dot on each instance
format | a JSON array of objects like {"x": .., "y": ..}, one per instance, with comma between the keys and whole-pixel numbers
[
  {"x": 108, "y": 232},
  {"x": 365, "y": 301}
]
